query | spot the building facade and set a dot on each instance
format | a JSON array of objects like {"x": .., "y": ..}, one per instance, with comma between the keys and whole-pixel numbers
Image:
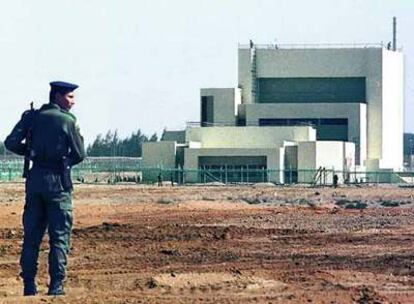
[{"x": 351, "y": 97}]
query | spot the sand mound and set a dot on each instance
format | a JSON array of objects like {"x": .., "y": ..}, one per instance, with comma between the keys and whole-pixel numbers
[{"x": 216, "y": 281}]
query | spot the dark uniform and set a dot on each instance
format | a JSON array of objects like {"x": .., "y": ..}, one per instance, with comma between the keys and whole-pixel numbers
[{"x": 56, "y": 145}]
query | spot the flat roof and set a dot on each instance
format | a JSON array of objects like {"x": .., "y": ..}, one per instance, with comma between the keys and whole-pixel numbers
[{"x": 275, "y": 46}]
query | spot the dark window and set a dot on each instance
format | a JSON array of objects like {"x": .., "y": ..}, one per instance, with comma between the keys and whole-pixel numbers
[
  {"x": 303, "y": 90},
  {"x": 241, "y": 122},
  {"x": 326, "y": 128},
  {"x": 207, "y": 110}
]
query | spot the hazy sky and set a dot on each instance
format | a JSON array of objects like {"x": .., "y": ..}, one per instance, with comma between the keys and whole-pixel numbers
[{"x": 140, "y": 64}]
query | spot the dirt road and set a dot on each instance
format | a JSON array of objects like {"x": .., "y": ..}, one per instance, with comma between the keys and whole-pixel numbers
[{"x": 253, "y": 244}]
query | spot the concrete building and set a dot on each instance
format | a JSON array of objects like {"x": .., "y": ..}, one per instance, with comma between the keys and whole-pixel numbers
[
  {"x": 349, "y": 94},
  {"x": 299, "y": 109}
]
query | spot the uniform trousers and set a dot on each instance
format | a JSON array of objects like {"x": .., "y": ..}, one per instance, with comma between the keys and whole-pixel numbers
[{"x": 51, "y": 211}]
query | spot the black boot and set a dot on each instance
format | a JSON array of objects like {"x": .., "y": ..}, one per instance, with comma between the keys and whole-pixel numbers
[
  {"x": 29, "y": 288},
  {"x": 56, "y": 288}
]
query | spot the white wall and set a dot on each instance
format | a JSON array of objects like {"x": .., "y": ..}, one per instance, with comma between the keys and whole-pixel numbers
[
  {"x": 392, "y": 114},
  {"x": 331, "y": 155},
  {"x": 354, "y": 112},
  {"x": 248, "y": 137},
  {"x": 349, "y": 155},
  {"x": 244, "y": 75},
  {"x": 191, "y": 159},
  {"x": 352, "y": 62},
  {"x": 306, "y": 161},
  {"x": 225, "y": 103},
  {"x": 307, "y": 155},
  {"x": 383, "y": 71},
  {"x": 159, "y": 154}
]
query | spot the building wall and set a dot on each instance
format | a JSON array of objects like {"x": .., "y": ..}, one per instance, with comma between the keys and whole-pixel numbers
[
  {"x": 290, "y": 63},
  {"x": 161, "y": 153},
  {"x": 354, "y": 112},
  {"x": 307, "y": 155},
  {"x": 248, "y": 137},
  {"x": 349, "y": 155},
  {"x": 383, "y": 73},
  {"x": 225, "y": 102},
  {"x": 331, "y": 155},
  {"x": 178, "y": 136},
  {"x": 191, "y": 159},
  {"x": 245, "y": 75},
  {"x": 392, "y": 114},
  {"x": 306, "y": 161}
]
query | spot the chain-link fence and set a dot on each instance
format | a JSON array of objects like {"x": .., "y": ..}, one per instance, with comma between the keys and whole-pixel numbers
[
  {"x": 124, "y": 169},
  {"x": 92, "y": 169},
  {"x": 321, "y": 176}
]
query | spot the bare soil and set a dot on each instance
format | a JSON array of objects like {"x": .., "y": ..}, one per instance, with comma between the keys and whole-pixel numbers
[{"x": 221, "y": 244}]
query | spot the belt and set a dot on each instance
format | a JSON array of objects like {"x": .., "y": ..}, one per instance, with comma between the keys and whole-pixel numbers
[{"x": 46, "y": 165}]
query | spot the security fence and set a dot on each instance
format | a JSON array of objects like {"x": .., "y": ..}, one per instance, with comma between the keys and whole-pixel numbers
[
  {"x": 124, "y": 169},
  {"x": 93, "y": 169},
  {"x": 321, "y": 176}
]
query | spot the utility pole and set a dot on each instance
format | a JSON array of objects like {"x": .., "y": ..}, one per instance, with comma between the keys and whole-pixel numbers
[
  {"x": 394, "y": 34},
  {"x": 411, "y": 154}
]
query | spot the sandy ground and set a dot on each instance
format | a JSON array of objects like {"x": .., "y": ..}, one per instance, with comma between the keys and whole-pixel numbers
[{"x": 216, "y": 244}]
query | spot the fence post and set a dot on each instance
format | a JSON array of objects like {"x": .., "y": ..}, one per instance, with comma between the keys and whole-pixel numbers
[{"x": 241, "y": 174}]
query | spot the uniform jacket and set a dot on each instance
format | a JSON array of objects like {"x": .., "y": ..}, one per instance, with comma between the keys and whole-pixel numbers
[{"x": 54, "y": 135}]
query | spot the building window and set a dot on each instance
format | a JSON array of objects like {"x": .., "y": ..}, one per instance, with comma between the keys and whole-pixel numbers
[
  {"x": 312, "y": 90},
  {"x": 326, "y": 128},
  {"x": 207, "y": 111}
]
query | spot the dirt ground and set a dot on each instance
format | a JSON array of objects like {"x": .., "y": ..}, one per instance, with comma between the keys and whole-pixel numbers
[{"x": 222, "y": 244}]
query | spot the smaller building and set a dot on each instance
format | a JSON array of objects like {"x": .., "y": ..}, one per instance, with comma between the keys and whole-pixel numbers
[{"x": 247, "y": 154}]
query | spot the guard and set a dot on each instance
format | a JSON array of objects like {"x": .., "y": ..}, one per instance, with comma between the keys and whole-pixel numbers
[{"x": 50, "y": 140}]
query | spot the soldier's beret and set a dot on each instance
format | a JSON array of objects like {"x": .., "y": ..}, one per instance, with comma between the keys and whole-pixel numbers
[{"x": 63, "y": 87}]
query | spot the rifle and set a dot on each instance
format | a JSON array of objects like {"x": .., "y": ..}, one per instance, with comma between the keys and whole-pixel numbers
[{"x": 28, "y": 142}]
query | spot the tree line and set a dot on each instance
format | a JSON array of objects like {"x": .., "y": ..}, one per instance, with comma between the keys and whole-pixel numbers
[
  {"x": 111, "y": 144},
  {"x": 3, "y": 150}
]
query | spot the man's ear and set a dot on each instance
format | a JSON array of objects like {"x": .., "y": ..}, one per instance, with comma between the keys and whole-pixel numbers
[{"x": 58, "y": 97}]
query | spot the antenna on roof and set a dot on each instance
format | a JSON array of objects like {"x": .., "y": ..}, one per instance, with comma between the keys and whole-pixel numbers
[{"x": 394, "y": 34}]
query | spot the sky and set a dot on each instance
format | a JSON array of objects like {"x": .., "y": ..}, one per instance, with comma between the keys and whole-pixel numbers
[{"x": 140, "y": 64}]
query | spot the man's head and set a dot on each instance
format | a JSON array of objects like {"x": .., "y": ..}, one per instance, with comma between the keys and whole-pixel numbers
[{"x": 61, "y": 93}]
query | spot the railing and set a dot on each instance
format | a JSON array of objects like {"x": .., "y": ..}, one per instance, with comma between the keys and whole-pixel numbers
[
  {"x": 196, "y": 124},
  {"x": 315, "y": 46},
  {"x": 225, "y": 175},
  {"x": 98, "y": 171},
  {"x": 94, "y": 169}
]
